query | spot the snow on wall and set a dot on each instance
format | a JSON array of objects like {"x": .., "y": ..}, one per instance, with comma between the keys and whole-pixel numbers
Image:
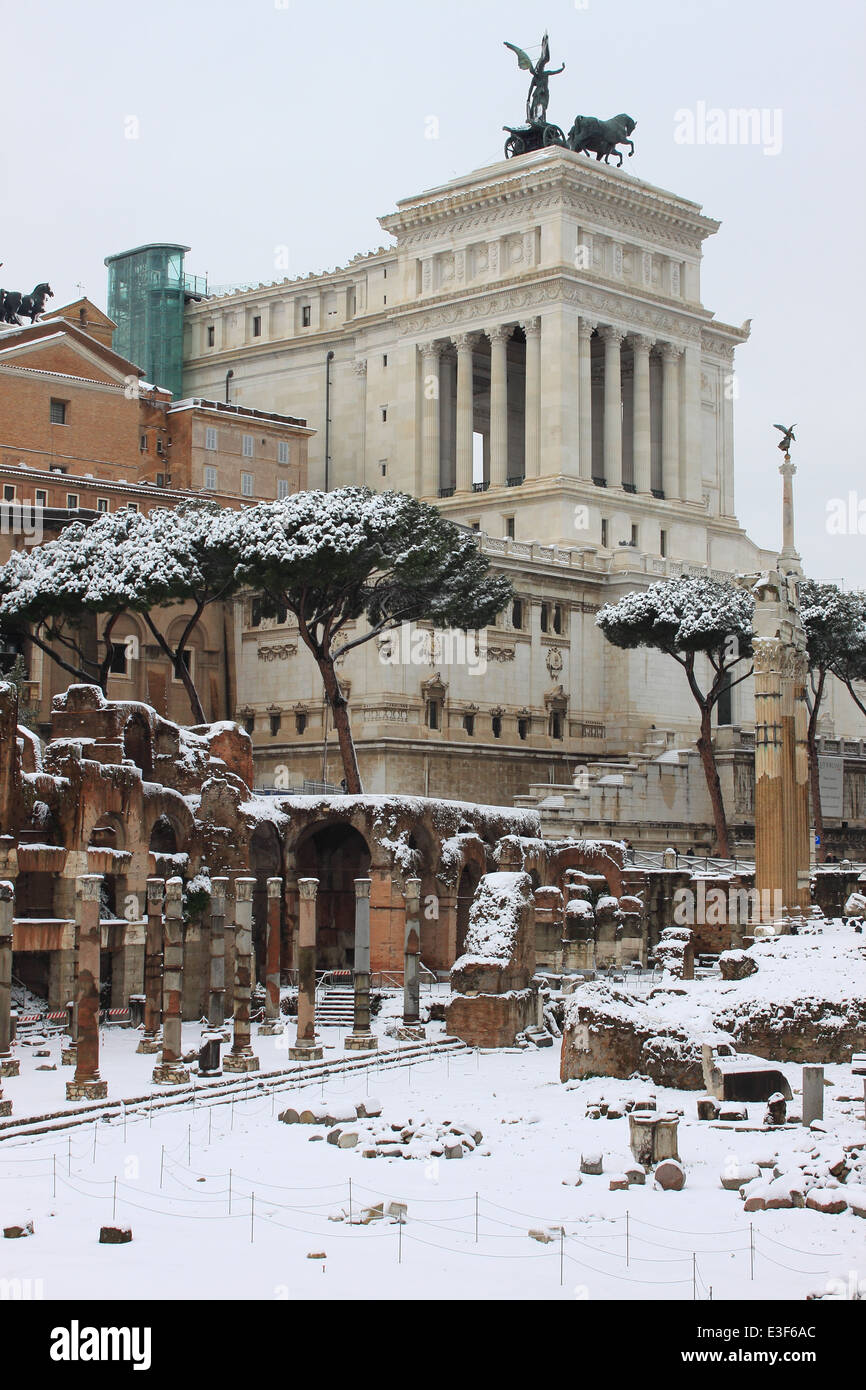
[{"x": 494, "y": 919}]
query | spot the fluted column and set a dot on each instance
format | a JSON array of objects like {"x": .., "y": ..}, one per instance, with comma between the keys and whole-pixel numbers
[
  {"x": 150, "y": 1041},
  {"x": 430, "y": 387},
  {"x": 691, "y": 441},
  {"x": 464, "y": 342},
  {"x": 642, "y": 442},
  {"x": 532, "y": 332},
  {"x": 305, "y": 1048},
  {"x": 670, "y": 420},
  {"x": 612, "y": 405},
  {"x": 498, "y": 404},
  {"x": 585, "y": 332}
]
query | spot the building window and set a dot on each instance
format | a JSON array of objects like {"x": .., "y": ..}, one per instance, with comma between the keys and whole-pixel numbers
[
  {"x": 517, "y": 613},
  {"x": 300, "y": 722},
  {"x": 433, "y": 715},
  {"x": 246, "y": 485},
  {"x": 211, "y": 336},
  {"x": 250, "y": 724},
  {"x": 557, "y": 619},
  {"x": 634, "y": 533},
  {"x": 132, "y": 506},
  {"x": 57, "y": 412},
  {"x": 476, "y": 526},
  {"x": 72, "y": 501},
  {"x": 545, "y": 617},
  {"x": 275, "y": 720},
  {"x": 509, "y": 528},
  {"x": 143, "y": 444},
  {"x": 248, "y": 446},
  {"x": 8, "y": 492},
  {"x": 555, "y": 724},
  {"x": 384, "y": 467},
  {"x": 282, "y": 489},
  {"x": 663, "y": 543},
  {"x": 41, "y": 497},
  {"x": 522, "y": 728},
  {"x": 160, "y": 447},
  {"x": 384, "y": 359},
  {"x": 188, "y": 661},
  {"x": 469, "y": 723},
  {"x": 210, "y": 437},
  {"x": 496, "y": 725},
  {"x": 103, "y": 504},
  {"x": 257, "y": 326},
  {"x": 210, "y": 479},
  {"x": 306, "y": 314},
  {"x": 282, "y": 451},
  {"x": 384, "y": 414},
  {"x": 604, "y": 531},
  {"x": 118, "y": 664}
]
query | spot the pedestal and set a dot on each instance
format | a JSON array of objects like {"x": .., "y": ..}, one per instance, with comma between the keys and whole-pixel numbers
[
  {"x": 361, "y": 1042},
  {"x": 6, "y": 1107},
  {"x": 239, "y": 1061},
  {"x": 170, "y": 1074},
  {"x": 300, "y": 1053},
  {"x": 10, "y": 1066},
  {"x": 148, "y": 1045},
  {"x": 271, "y": 1028},
  {"x": 87, "y": 1090}
]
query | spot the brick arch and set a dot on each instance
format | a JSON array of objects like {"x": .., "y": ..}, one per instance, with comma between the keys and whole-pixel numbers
[
  {"x": 588, "y": 860},
  {"x": 176, "y": 812}
]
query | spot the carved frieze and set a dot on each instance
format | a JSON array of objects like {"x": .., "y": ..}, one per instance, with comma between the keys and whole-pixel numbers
[{"x": 277, "y": 651}]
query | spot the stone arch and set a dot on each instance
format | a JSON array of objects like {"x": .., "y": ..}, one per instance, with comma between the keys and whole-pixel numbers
[
  {"x": 336, "y": 853},
  {"x": 163, "y": 836},
  {"x": 138, "y": 744},
  {"x": 590, "y": 859}
]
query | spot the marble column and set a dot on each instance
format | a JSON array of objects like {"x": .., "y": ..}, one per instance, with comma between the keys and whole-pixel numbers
[
  {"x": 217, "y": 981},
  {"x": 642, "y": 440},
  {"x": 532, "y": 400},
  {"x": 150, "y": 1040},
  {"x": 305, "y": 1048},
  {"x": 169, "y": 1070},
  {"x": 273, "y": 1022},
  {"x": 412, "y": 953},
  {"x": 612, "y": 404},
  {"x": 670, "y": 421},
  {"x": 87, "y": 1084},
  {"x": 585, "y": 331},
  {"x": 8, "y": 1063},
  {"x": 691, "y": 443},
  {"x": 361, "y": 1038},
  {"x": 499, "y": 337},
  {"x": 464, "y": 342},
  {"x": 430, "y": 358},
  {"x": 241, "y": 1056}
]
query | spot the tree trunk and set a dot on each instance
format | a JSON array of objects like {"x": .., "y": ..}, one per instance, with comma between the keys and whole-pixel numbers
[
  {"x": 340, "y": 712},
  {"x": 814, "y": 773},
  {"x": 714, "y": 786},
  {"x": 180, "y": 670}
]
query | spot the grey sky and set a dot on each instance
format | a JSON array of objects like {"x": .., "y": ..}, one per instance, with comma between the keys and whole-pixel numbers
[{"x": 269, "y": 123}]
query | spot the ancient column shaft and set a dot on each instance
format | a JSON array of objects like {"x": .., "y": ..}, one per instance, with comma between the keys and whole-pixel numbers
[
  {"x": 532, "y": 400},
  {"x": 670, "y": 421},
  {"x": 465, "y": 410},
  {"x": 172, "y": 980},
  {"x": 612, "y": 405},
  {"x": 412, "y": 952},
  {"x": 585, "y": 331},
  {"x": 307, "y": 888},
  {"x": 153, "y": 960},
  {"x": 217, "y": 982},
  {"x": 430, "y": 420},
  {"x": 243, "y": 963},
  {"x": 499, "y": 405},
  {"x": 275, "y": 889},
  {"x": 642, "y": 445},
  {"x": 7, "y": 912},
  {"x": 87, "y": 889}
]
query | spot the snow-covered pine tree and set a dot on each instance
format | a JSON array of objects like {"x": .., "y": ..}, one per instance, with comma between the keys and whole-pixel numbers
[
  {"x": 685, "y": 618},
  {"x": 332, "y": 558}
]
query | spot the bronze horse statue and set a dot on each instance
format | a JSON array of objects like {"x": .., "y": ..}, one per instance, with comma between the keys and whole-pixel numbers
[
  {"x": 13, "y": 303},
  {"x": 592, "y": 136}
]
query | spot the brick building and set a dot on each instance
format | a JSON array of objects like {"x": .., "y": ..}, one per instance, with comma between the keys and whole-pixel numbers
[{"x": 81, "y": 433}]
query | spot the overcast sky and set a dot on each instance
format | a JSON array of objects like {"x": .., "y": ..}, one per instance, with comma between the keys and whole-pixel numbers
[{"x": 238, "y": 128}]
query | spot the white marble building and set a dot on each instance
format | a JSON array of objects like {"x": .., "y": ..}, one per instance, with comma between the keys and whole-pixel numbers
[{"x": 532, "y": 354}]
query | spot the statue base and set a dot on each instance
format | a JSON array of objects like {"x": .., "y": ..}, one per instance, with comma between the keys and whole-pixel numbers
[
  {"x": 87, "y": 1090},
  {"x": 410, "y": 1032},
  {"x": 240, "y": 1061},
  {"x": 10, "y": 1066},
  {"x": 361, "y": 1042},
  {"x": 271, "y": 1028},
  {"x": 310, "y": 1053},
  {"x": 170, "y": 1074},
  {"x": 149, "y": 1045}
]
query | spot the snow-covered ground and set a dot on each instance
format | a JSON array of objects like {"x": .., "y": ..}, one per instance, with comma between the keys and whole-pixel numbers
[{"x": 225, "y": 1201}]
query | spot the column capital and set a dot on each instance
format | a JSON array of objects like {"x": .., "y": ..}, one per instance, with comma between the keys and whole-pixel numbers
[
  {"x": 640, "y": 342},
  {"x": 611, "y": 334},
  {"x": 500, "y": 332},
  {"x": 412, "y": 889},
  {"x": 359, "y": 366},
  {"x": 307, "y": 887},
  {"x": 586, "y": 327},
  {"x": 155, "y": 890},
  {"x": 275, "y": 886},
  {"x": 434, "y": 348},
  {"x": 670, "y": 352},
  {"x": 465, "y": 342},
  {"x": 362, "y": 887},
  {"x": 531, "y": 327}
]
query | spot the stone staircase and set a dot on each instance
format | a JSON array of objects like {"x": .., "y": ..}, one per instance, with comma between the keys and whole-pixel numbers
[{"x": 336, "y": 1008}]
